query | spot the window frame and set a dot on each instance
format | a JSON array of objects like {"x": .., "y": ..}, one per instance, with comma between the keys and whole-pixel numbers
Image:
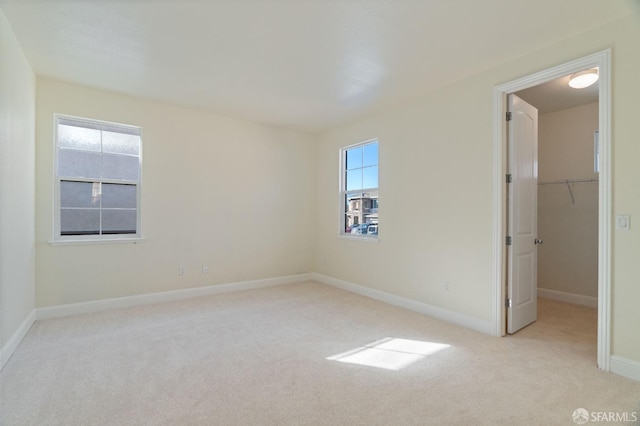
[
  {"x": 343, "y": 191},
  {"x": 58, "y": 237}
]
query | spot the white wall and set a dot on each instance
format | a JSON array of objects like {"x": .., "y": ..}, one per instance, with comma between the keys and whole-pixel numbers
[
  {"x": 435, "y": 210},
  {"x": 568, "y": 259},
  {"x": 17, "y": 186},
  {"x": 229, "y": 194},
  {"x": 436, "y": 188}
]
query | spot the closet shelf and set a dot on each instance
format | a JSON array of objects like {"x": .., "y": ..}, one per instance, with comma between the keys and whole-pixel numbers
[{"x": 567, "y": 181}]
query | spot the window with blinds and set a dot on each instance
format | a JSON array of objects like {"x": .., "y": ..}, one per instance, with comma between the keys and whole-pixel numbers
[{"x": 98, "y": 169}]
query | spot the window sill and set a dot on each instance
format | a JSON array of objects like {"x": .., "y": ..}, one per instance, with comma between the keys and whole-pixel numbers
[
  {"x": 92, "y": 242},
  {"x": 357, "y": 238}
]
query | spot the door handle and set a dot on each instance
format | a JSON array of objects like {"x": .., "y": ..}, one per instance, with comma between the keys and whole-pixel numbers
[{"x": 538, "y": 241}]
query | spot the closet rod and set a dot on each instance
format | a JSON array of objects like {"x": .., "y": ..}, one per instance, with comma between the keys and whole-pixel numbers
[{"x": 566, "y": 181}]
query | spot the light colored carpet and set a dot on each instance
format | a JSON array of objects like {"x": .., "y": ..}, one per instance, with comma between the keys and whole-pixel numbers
[{"x": 294, "y": 355}]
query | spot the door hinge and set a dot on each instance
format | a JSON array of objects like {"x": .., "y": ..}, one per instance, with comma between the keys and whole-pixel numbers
[
  {"x": 509, "y": 241},
  {"x": 509, "y": 115},
  {"x": 509, "y": 178},
  {"x": 507, "y": 303}
]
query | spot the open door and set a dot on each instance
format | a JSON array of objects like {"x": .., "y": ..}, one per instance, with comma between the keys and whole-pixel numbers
[{"x": 522, "y": 227}]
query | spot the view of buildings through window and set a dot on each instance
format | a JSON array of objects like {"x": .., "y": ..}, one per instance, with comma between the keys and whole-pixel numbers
[{"x": 360, "y": 189}]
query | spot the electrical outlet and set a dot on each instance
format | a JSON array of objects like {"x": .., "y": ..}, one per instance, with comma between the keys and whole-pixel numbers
[
  {"x": 181, "y": 271},
  {"x": 447, "y": 286},
  {"x": 205, "y": 269}
]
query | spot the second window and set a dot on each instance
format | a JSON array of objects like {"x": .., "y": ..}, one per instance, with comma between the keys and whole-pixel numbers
[{"x": 359, "y": 189}]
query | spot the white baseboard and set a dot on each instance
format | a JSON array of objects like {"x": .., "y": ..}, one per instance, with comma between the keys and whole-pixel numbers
[
  {"x": 412, "y": 305},
  {"x": 625, "y": 367},
  {"x": 562, "y": 296},
  {"x": 13, "y": 342},
  {"x": 166, "y": 296}
]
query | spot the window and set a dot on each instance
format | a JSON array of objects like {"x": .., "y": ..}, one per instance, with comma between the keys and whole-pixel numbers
[
  {"x": 359, "y": 189},
  {"x": 97, "y": 187}
]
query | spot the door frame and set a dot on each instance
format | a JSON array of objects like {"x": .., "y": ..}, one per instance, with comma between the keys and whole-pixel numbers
[{"x": 602, "y": 60}]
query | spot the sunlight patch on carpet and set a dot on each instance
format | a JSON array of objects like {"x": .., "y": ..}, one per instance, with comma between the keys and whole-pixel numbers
[{"x": 389, "y": 353}]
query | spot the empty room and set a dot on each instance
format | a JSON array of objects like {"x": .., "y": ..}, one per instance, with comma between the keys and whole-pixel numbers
[{"x": 318, "y": 212}]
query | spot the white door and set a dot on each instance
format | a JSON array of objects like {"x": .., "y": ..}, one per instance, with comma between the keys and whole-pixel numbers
[{"x": 522, "y": 215}]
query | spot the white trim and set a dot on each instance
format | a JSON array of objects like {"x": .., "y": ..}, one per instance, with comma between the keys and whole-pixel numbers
[
  {"x": 359, "y": 237},
  {"x": 167, "y": 296},
  {"x": 13, "y": 342},
  {"x": 602, "y": 60},
  {"x": 625, "y": 367},
  {"x": 561, "y": 296},
  {"x": 498, "y": 291},
  {"x": 104, "y": 241},
  {"x": 357, "y": 144},
  {"x": 412, "y": 305}
]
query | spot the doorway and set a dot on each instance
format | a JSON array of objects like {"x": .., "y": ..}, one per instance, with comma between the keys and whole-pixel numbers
[
  {"x": 602, "y": 61},
  {"x": 567, "y": 191}
]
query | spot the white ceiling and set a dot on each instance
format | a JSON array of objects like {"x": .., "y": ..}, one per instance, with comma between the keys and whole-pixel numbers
[{"x": 306, "y": 64}]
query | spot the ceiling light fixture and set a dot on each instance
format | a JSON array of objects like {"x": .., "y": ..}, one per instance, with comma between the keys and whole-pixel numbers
[{"x": 583, "y": 79}]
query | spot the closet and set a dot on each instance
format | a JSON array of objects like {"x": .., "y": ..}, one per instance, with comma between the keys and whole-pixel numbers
[{"x": 568, "y": 204}]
